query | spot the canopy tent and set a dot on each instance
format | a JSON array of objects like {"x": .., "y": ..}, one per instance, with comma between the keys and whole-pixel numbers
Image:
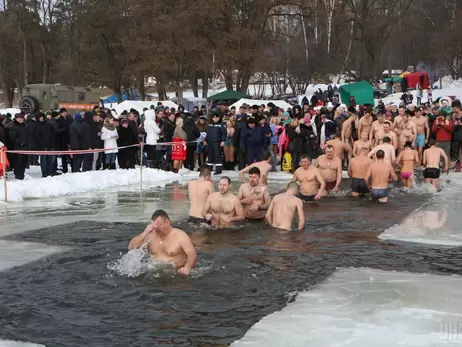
[
  {"x": 113, "y": 98},
  {"x": 228, "y": 94},
  {"x": 190, "y": 102},
  {"x": 140, "y": 105},
  {"x": 279, "y": 103},
  {"x": 362, "y": 91},
  {"x": 394, "y": 79}
]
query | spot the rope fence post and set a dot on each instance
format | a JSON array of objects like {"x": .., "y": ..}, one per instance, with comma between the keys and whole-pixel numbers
[
  {"x": 3, "y": 163},
  {"x": 141, "y": 164}
]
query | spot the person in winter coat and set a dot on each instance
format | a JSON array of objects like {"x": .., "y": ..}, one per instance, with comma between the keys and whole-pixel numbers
[
  {"x": 54, "y": 121},
  {"x": 3, "y": 131},
  {"x": 88, "y": 140},
  {"x": 76, "y": 141},
  {"x": 109, "y": 135},
  {"x": 31, "y": 122},
  {"x": 328, "y": 129},
  {"x": 179, "y": 133},
  {"x": 192, "y": 133},
  {"x": 443, "y": 127},
  {"x": 168, "y": 127},
  {"x": 239, "y": 142},
  {"x": 152, "y": 136},
  {"x": 297, "y": 134},
  {"x": 215, "y": 140},
  {"x": 255, "y": 141},
  {"x": 64, "y": 122},
  {"x": 43, "y": 137},
  {"x": 126, "y": 138},
  {"x": 19, "y": 138},
  {"x": 201, "y": 148}
]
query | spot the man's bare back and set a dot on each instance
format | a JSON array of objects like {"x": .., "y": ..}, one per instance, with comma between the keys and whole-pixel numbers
[
  {"x": 433, "y": 156},
  {"x": 282, "y": 210},
  {"x": 359, "y": 165},
  {"x": 389, "y": 150},
  {"x": 198, "y": 191}
]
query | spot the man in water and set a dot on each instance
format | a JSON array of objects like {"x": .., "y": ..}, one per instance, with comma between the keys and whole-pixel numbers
[
  {"x": 422, "y": 129},
  {"x": 281, "y": 212},
  {"x": 431, "y": 160},
  {"x": 340, "y": 147},
  {"x": 363, "y": 142},
  {"x": 254, "y": 196},
  {"x": 357, "y": 170},
  {"x": 199, "y": 190},
  {"x": 387, "y": 148},
  {"x": 380, "y": 173},
  {"x": 386, "y": 131},
  {"x": 330, "y": 167},
  {"x": 223, "y": 208},
  {"x": 312, "y": 184},
  {"x": 167, "y": 244},
  {"x": 264, "y": 166}
]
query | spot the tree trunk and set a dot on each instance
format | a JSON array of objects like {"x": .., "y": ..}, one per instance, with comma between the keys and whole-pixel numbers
[
  {"x": 244, "y": 84},
  {"x": 194, "y": 84},
  {"x": 25, "y": 66},
  {"x": 347, "y": 56},
  {"x": 228, "y": 79},
  {"x": 161, "y": 91},
  {"x": 141, "y": 88},
  {"x": 205, "y": 85},
  {"x": 329, "y": 31}
]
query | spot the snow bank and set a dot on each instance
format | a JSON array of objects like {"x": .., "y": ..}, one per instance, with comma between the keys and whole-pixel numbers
[
  {"x": 396, "y": 98},
  {"x": 86, "y": 181},
  {"x": 7, "y": 343}
]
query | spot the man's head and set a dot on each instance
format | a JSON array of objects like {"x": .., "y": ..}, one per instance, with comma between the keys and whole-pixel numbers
[
  {"x": 338, "y": 134},
  {"x": 408, "y": 144},
  {"x": 224, "y": 184},
  {"x": 401, "y": 111},
  {"x": 386, "y": 139},
  {"x": 380, "y": 117},
  {"x": 380, "y": 154},
  {"x": 386, "y": 126},
  {"x": 161, "y": 222},
  {"x": 63, "y": 111},
  {"x": 305, "y": 161},
  {"x": 364, "y": 136},
  {"x": 254, "y": 176},
  {"x": 432, "y": 142},
  {"x": 267, "y": 156},
  {"x": 364, "y": 151},
  {"x": 292, "y": 187},
  {"x": 205, "y": 173},
  {"x": 330, "y": 150}
]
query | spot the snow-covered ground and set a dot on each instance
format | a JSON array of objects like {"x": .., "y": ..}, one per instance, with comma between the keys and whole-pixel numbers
[{"x": 445, "y": 92}]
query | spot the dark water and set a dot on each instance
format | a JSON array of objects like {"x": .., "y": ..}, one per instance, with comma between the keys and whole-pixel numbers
[{"x": 72, "y": 299}]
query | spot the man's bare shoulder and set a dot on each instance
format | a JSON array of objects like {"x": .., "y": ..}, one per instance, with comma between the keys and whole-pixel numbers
[
  {"x": 180, "y": 233},
  {"x": 214, "y": 194}
]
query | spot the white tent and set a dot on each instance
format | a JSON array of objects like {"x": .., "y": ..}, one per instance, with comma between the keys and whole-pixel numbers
[
  {"x": 139, "y": 105},
  {"x": 278, "y": 103}
]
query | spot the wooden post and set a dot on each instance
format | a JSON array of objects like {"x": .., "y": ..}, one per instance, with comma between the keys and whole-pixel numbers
[
  {"x": 3, "y": 163},
  {"x": 141, "y": 163}
]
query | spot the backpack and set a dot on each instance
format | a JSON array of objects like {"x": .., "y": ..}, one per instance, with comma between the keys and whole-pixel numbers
[{"x": 287, "y": 162}]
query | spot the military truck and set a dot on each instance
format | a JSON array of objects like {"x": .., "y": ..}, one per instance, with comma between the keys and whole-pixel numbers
[{"x": 45, "y": 97}]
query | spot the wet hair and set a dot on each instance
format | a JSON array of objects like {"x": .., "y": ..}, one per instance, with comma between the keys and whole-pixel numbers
[
  {"x": 305, "y": 157},
  {"x": 226, "y": 178},
  {"x": 292, "y": 185},
  {"x": 387, "y": 122},
  {"x": 380, "y": 154},
  {"x": 330, "y": 147},
  {"x": 255, "y": 171},
  {"x": 266, "y": 155},
  {"x": 432, "y": 142},
  {"x": 364, "y": 149},
  {"x": 386, "y": 139},
  {"x": 408, "y": 144},
  {"x": 159, "y": 214},
  {"x": 204, "y": 171},
  {"x": 338, "y": 134}
]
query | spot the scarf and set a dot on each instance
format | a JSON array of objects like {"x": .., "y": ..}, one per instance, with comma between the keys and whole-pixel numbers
[{"x": 109, "y": 126}]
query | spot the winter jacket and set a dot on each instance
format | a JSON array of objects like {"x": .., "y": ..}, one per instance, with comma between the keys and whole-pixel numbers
[
  {"x": 88, "y": 131},
  {"x": 19, "y": 136},
  {"x": 64, "y": 138},
  {"x": 191, "y": 130},
  {"x": 44, "y": 136},
  {"x": 216, "y": 132},
  {"x": 458, "y": 133},
  {"x": 328, "y": 129},
  {"x": 239, "y": 134},
  {"x": 126, "y": 137},
  {"x": 255, "y": 137},
  {"x": 58, "y": 131},
  {"x": 3, "y": 134},
  {"x": 151, "y": 128},
  {"x": 179, "y": 133},
  {"x": 167, "y": 130},
  {"x": 297, "y": 139},
  {"x": 110, "y": 140},
  {"x": 443, "y": 130},
  {"x": 76, "y": 136},
  {"x": 97, "y": 141},
  {"x": 31, "y": 123}
]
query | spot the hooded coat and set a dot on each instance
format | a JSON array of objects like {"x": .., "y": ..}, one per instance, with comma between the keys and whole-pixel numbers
[{"x": 151, "y": 128}]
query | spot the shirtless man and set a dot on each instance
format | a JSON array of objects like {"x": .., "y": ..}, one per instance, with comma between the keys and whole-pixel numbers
[
  {"x": 377, "y": 127},
  {"x": 422, "y": 130},
  {"x": 330, "y": 168},
  {"x": 380, "y": 173},
  {"x": 398, "y": 119},
  {"x": 407, "y": 131},
  {"x": 379, "y": 135},
  {"x": 311, "y": 182},
  {"x": 407, "y": 158},
  {"x": 166, "y": 243},
  {"x": 357, "y": 170},
  {"x": 363, "y": 142},
  {"x": 282, "y": 209},
  {"x": 340, "y": 147},
  {"x": 223, "y": 208},
  {"x": 254, "y": 196},
  {"x": 347, "y": 128},
  {"x": 198, "y": 191},
  {"x": 431, "y": 160},
  {"x": 365, "y": 123},
  {"x": 387, "y": 148},
  {"x": 264, "y": 166}
]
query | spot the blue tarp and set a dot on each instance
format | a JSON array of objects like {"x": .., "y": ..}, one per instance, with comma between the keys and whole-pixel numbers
[{"x": 113, "y": 99}]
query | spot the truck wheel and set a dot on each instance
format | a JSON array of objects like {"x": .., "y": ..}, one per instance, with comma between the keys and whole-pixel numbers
[{"x": 28, "y": 104}]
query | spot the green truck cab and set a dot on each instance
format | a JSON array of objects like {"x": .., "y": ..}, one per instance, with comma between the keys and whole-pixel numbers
[{"x": 45, "y": 97}]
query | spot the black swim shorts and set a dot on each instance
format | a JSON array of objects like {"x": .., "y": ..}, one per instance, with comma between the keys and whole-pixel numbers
[
  {"x": 195, "y": 220},
  {"x": 306, "y": 197},
  {"x": 358, "y": 185},
  {"x": 431, "y": 172}
]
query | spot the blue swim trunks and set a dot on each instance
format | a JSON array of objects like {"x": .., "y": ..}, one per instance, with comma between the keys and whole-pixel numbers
[
  {"x": 420, "y": 140},
  {"x": 379, "y": 193}
]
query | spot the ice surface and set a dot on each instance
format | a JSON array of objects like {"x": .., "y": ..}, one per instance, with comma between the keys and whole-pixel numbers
[
  {"x": 366, "y": 307},
  {"x": 437, "y": 222},
  {"x": 19, "y": 253},
  {"x": 7, "y": 343}
]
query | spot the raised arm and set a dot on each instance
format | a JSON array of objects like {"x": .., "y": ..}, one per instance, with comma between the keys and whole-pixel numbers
[
  {"x": 301, "y": 215},
  {"x": 244, "y": 171},
  {"x": 139, "y": 240}
]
